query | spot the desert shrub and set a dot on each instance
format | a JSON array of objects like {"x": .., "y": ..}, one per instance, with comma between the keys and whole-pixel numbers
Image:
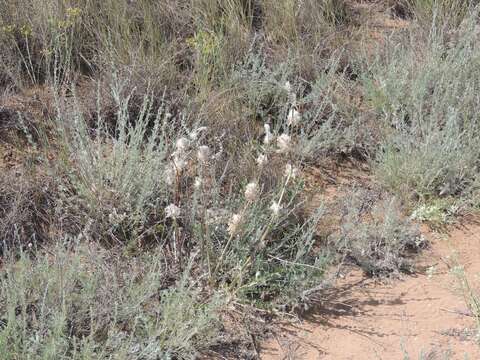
[
  {"x": 376, "y": 235},
  {"x": 271, "y": 259},
  {"x": 260, "y": 87},
  {"x": 255, "y": 242},
  {"x": 83, "y": 302},
  {"x": 331, "y": 123},
  {"x": 154, "y": 176},
  {"x": 426, "y": 104},
  {"x": 116, "y": 174},
  {"x": 328, "y": 122},
  {"x": 438, "y": 212}
]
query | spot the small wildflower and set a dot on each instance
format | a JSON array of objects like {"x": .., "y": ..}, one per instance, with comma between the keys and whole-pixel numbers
[
  {"x": 182, "y": 144},
  {"x": 203, "y": 153},
  {"x": 172, "y": 211},
  {"x": 46, "y": 52},
  {"x": 261, "y": 160},
  {"x": 268, "y": 135},
  {"x": 26, "y": 30},
  {"x": 275, "y": 208},
  {"x": 198, "y": 183},
  {"x": 252, "y": 191},
  {"x": 73, "y": 12},
  {"x": 234, "y": 224},
  {"x": 283, "y": 143},
  {"x": 8, "y": 29},
  {"x": 291, "y": 171},
  {"x": 64, "y": 24},
  {"x": 294, "y": 117}
]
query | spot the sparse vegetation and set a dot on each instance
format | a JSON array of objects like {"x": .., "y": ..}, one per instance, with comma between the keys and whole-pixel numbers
[
  {"x": 157, "y": 158},
  {"x": 374, "y": 234}
]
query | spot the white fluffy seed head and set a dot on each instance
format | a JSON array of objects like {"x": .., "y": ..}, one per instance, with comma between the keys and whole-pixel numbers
[
  {"x": 294, "y": 117},
  {"x": 291, "y": 171},
  {"x": 284, "y": 143},
  {"x": 198, "y": 183},
  {"x": 182, "y": 144},
  {"x": 203, "y": 153},
  {"x": 252, "y": 191},
  {"x": 262, "y": 160},
  {"x": 268, "y": 135},
  {"x": 172, "y": 211},
  {"x": 234, "y": 224},
  {"x": 275, "y": 208}
]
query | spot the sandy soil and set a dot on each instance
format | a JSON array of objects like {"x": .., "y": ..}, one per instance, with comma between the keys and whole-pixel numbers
[{"x": 424, "y": 314}]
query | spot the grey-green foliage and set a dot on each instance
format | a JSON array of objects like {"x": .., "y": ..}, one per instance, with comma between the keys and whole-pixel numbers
[
  {"x": 271, "y": 260},
  {"x": 331, "y": 124},
  {"x": 115, "y": 171},
  {"x": 275, "y": 258},
  {"x": 375, "y": 234},
  {"x": 84, "y": 303},
  {"x": 261, "y": 87},
  {"x": 427, "y": 105}
]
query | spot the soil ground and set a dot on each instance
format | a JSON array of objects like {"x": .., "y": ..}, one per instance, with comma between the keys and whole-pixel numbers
[{"x": 419, "y": 315}]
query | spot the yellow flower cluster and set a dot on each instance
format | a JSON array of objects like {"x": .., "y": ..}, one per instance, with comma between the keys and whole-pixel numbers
[
  {"x": 205, "y": 43},
  {"x": 25, "y": 30},
  {"x": 72, "y": 15},
  {"x": 8, "y": 29}
]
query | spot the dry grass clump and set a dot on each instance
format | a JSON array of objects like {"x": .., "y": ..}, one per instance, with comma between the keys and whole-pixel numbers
[{"x": 444, "y": 14}]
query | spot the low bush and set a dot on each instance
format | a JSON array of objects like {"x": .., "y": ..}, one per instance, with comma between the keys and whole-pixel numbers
[
  {"x": 81, "y": 302},
  {"x": 375, "y": 234},
  {"x": 426, "y": 105},
  {"x": 156, "y": 180}
]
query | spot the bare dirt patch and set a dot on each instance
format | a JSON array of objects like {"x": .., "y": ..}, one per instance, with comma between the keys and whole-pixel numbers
[{"x": 362, "y": 318}]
